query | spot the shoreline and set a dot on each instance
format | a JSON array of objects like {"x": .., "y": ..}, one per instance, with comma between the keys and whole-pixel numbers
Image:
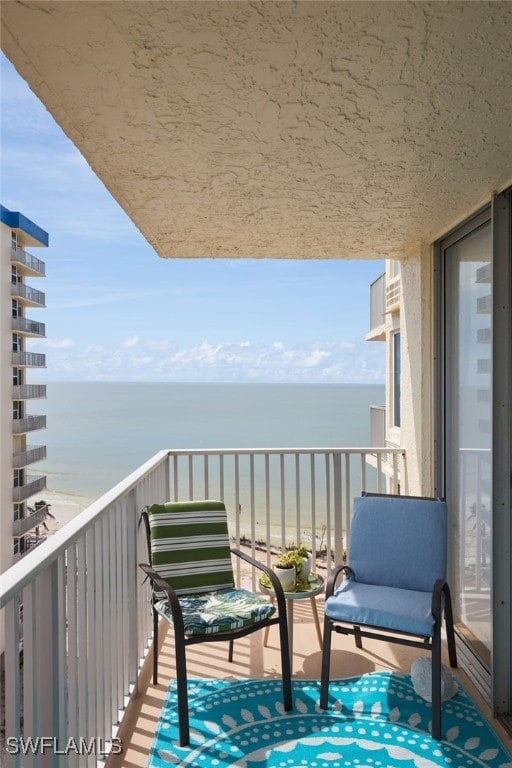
[{"x": 64, "y": 508}]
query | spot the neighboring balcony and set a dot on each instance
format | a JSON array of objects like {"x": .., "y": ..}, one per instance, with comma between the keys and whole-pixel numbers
[
  {"x": 28, "y": 360},
  {"x": 34, "y": 484},
  {"x": 28, "y": 327},
  {"x": 386, "y": 460},
  {"x": 377, "y": 330},
  {"x": 393, "y": 293},
  {"x": 32, "y": 265},
  {"x": 30, "y": 296},
  {"x": 484, "y": 273},
  {"x": 384, "y": 298},
  {"x": 26, "y": 524},
  {"x": 29, "y": 456},
  {"x": 28, "y": 424},
  {"x": 484, "y": 305},
  {"x": 28, "y": 391},
  {"x": 378, "y": 425}
]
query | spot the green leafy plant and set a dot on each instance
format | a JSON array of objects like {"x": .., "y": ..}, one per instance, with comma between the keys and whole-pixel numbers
[{"x": 292, "y": 558}]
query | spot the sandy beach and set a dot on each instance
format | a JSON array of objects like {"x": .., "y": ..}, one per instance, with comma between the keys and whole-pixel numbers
[{"x": 63, "y": 508}]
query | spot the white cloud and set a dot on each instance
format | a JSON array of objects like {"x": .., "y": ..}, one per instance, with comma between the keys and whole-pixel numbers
[
  {"x": 136, "y": 359},
  {"x": 316, "y": 357},
  {"x": 131, "y": 341},
  {"x": 57, "y": 343}
]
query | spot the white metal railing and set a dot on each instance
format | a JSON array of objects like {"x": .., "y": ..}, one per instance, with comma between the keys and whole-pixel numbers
[
  {"x": 32, "y": 295},
  {"x": 28, "y": 359},
  {"x": 25, "y": 325},
  {"x": 28, "y": 391},
  {"x": 474, "y": 516},
  {"x": 31, "y": 454},
  {"x": 21, "y": 256},
  {"x": 25, "y": 524},
  {"x": 28, "y": 424},
  {"x": 78, "y": 608},
  {"x": 33, "y": 484}
]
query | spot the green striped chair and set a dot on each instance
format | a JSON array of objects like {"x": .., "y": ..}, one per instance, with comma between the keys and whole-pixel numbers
[{"x": 192, "y": 578}]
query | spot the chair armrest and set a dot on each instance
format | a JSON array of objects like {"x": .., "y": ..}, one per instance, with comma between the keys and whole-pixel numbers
[
  {"x": 440, "y": 588},
  {"x": 333, "y": 578},
  {"x": 169, "y": 592},
  {"x": 276, "y": 584}
]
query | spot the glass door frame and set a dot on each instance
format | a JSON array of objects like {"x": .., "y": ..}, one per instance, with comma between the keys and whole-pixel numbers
[{"x": 494, "y": 684}]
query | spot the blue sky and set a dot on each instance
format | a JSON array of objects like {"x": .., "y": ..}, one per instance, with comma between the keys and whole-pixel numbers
[{"x": 117, "y": 311}]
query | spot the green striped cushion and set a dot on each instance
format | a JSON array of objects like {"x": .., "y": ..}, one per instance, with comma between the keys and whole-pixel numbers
[{"x": 190, "y": 545}]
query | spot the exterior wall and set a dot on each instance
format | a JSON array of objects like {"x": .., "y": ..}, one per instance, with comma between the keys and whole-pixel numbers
[
  {"x": 408, "y": 310},
  {"x": 28, "y": 235},
  {"x": 417, "y": 387},
  {"x": 14, "y": 441},
  {"x": 6, "y": 440}
]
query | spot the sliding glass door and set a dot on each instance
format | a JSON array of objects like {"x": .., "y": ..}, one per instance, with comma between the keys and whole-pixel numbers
[{"x": 466, "y": 264}]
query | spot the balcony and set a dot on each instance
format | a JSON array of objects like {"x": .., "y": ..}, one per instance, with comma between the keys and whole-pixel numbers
[
  {"x": 29, "y": 456},
  {"x": 28, "y": 424},
  {"x": 32, "y": 265},
  {"x": 33, "y": 484},
  {"x": 29, "y": 296},
  {"x": 26, "y": 524},
  {"x": 484, "y": 305},
  {"x": 28, "y": 360},
  {"x": 28, "y": 327},
  {"x": 85, "y": 576},
  {"x": 28, "y": 391},
  {"x": 377, "y": 309},
  {"x": 484, "y": 273},
  {"x": 393, "y": 292},
  {"x": 377, "y": 425}
]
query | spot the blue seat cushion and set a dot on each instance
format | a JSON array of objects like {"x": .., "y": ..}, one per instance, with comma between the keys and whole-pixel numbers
[
  {"x": 220, "y": 611},
  {"x": 402, "y": 610}
]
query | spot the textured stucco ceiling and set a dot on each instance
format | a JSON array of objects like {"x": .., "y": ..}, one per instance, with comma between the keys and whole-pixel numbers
[{"x": 309, "y": 129}]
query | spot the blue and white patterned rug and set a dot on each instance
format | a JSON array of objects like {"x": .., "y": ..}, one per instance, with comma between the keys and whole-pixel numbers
[{"x": 375, "y": 721}]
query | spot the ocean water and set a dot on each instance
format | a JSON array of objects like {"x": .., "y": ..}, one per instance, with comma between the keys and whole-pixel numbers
[{"x": 97, "y": 433}]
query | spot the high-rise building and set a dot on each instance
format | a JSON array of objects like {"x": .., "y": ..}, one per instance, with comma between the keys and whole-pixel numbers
[{"x": 21, "y": 522}]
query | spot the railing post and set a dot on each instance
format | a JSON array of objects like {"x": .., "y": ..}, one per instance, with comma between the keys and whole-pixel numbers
[
  {"x": 12, "y": 682},
  {"x": 48, "y": 718},
  {"x": 338, "y": 509},
  {"x": 134, "y": 584}
]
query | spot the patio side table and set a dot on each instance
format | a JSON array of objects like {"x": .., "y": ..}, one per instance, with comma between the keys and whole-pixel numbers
[{"x": 316, "y": 587}]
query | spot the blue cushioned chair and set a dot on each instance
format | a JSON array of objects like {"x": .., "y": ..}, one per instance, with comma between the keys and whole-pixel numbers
[
  {"x": 394, "y": 587},
  {"x": 193, "y": 589}
]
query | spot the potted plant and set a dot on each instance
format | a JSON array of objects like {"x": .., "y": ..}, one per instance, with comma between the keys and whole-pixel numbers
[{"x": 292, "y": 566}]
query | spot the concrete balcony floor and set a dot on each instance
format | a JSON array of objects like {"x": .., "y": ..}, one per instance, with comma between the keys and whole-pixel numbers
[{"x": 252, "y": 660}]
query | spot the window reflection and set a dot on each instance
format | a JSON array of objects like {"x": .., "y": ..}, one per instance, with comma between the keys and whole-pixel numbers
[{"x": 468, "y": 306}]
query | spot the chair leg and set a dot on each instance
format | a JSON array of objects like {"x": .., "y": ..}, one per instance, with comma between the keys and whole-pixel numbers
[
  {"x": 436, "y": 684},
  {"x": 155, "y": 647},
  {"x": 357, "y": 638},
  {"x": 230, "y": 652},
  {"x": 326, "y": 664},
  {"x": 286, "y": 673},
  {"x": 181, "y": 684}
]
